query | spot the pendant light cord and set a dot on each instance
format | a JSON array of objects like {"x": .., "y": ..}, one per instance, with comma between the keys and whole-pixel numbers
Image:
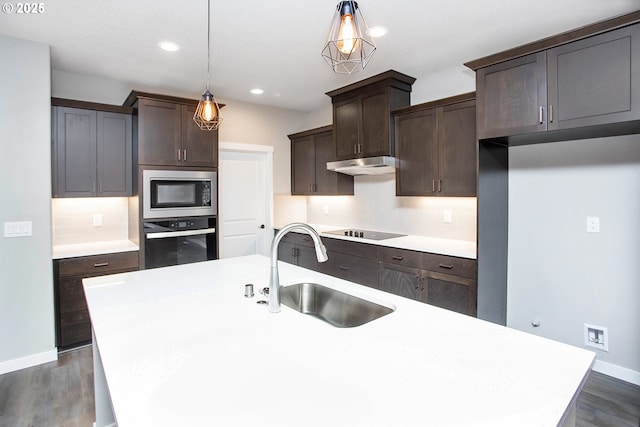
[{"x": 208, "y": 42}]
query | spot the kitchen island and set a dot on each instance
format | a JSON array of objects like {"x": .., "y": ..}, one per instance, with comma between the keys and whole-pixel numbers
[{"x": 183, "y": 346}]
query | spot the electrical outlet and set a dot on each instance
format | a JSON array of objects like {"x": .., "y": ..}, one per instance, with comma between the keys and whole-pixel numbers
[
  {"x": 326, "y": 209},
  {"x": 97, "y": 220},
  {"x": 593, "y": 224},
  {"x": 596, "y": 337},
  {"x": 447, "y": 216}
]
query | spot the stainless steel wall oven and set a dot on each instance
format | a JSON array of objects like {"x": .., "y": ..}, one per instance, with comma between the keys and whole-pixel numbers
[{"x": 179, "y": 241}]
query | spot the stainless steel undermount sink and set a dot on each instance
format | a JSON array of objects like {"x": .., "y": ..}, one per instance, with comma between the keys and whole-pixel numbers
[{"x": 334, "y": 307}]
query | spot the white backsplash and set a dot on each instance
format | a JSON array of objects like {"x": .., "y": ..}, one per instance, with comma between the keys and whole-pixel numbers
[
  {"x": 73, "y": 219},
  {"x": 375, "y": 206}
]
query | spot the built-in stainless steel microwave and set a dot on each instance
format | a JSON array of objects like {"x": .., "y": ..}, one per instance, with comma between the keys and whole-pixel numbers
[{"x": 176, "y": 193}]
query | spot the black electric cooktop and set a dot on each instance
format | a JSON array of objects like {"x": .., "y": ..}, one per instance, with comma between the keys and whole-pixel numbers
[{"x": 365, "y": 234}]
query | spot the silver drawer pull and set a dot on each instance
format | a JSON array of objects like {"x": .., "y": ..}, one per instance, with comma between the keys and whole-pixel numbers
[
  {"x": 101, "y": 264},
  {"x": 343, "y": 268},
  {"x": 397, "y": 258},
  {"x": 447, "y": 266}
]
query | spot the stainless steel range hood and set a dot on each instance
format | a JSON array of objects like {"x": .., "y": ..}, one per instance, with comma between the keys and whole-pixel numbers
[{"x": 367, "y": 166}]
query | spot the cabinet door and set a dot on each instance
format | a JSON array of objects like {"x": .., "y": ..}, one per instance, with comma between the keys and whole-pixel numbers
[
  {"x": 114, "y": 153},
  {"x": 512, "y": 97},
  {"x": 451, "y": 292},
  {"x": 328, "y": 182},
  {"x": 307, "y": 257},
  {"x": 416, "y": 151},
  {"x": 457, "y": 150},
  {"x": 375, "y": 122},
  {"x": 346, "y": 122},
  {"x": 404, "y": 281},
  {"x": 287, "y": 252},
  {"x": 199, "y": 147},
  {"x": 159, "y": 133},
  {"x": 596, "y": 80},
  {"x": 75, "y": 152},
  {"x": 303, "y": 168}
]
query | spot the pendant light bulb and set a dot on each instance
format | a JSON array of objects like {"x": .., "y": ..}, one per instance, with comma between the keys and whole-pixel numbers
[
  {"x": 208, "y": 113},
  {"x": 347, "y": 36}
]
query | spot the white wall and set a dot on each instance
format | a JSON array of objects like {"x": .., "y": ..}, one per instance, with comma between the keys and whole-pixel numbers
[
  {"x": 243, "y": 122},
  {"x": 375, "y": 206},
  {"x": 559, "y": 273},
  {"x": 27, "y": 331}
]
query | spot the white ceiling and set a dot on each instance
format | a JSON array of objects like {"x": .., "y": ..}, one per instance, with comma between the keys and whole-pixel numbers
[{"x": 275, "y": 45}]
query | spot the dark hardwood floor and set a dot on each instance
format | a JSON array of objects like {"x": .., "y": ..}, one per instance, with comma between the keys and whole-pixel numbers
[
  {"x": 60, "y": 394},
  {"x": 55, "y": 394}
]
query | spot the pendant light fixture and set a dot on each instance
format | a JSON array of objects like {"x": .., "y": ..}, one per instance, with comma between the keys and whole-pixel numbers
[
  {"x": 349, "y": 48},
  {"x": 207, "y": 115}
]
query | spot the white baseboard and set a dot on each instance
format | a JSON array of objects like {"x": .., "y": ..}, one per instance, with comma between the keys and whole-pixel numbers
[
  {"x": 28, "y": 361},
  {"x": 616, "y": 371}
]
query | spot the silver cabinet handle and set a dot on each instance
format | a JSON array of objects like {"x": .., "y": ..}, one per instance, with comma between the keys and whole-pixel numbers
[
  {"x": 541, "y": 115},
  {"x": 183, "y": 233},
  {"x": 101, "y": 264},
  {"x": 184, "y": 157},
  {"x": 179, "y": 155},
  {"x": 447, "y": 266},
  {"x": 550, "y": 113}
]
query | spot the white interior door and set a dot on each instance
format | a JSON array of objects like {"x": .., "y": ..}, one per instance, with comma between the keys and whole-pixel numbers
[{"x": 245, "y": 195}]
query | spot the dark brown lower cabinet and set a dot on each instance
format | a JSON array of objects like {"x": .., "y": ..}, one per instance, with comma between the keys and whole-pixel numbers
[
  {"x": 452, "y": 292},
  {"x": 405, "y": 281},
  {"x": 441, "y": 280},
  {"x": 73, "y": 326}
]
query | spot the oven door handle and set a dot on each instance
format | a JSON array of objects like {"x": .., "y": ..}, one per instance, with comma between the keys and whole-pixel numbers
[{"x": 182, "y": 233}]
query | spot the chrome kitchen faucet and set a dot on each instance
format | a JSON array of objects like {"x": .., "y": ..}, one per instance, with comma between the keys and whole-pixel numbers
[{"x": 274, "y": 281}]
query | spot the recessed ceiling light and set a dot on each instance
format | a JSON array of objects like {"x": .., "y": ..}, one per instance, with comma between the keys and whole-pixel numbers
[
  {"x": 169, "y": 46},
  {"x": 257, "y": 91},
  {"x": 377, "y": 31}
]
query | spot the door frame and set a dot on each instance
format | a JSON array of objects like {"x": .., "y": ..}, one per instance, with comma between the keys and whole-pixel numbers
[{"x": 267, "y": 152}]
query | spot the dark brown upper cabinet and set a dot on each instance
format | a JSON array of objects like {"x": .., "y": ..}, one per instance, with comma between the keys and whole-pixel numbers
[
  {"x": 92, "y": 149},
  {"x": 585, "y": 88},
  {"x": 362, "y": 114},
  {"x": 436, "y": 148},
  {"x": 167, "y": 135},
  {"x": 310, "y": 152}
]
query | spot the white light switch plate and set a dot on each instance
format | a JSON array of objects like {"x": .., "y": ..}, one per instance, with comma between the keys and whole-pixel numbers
[
  {"x": 18, "y": 229},
  {"x": 447, "y": 216},
  {"x": 97, "y": 220}
]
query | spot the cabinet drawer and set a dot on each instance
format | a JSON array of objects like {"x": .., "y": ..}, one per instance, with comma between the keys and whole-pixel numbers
[
  {"x": 363, "y": 250},
  {"x": 462, "y": 267},
  {"x": 75, "y": 327},
  {"x": 399, "y": 256},
  {"x": 98, "y": 264},
  {"x": 352, "y": 268}
]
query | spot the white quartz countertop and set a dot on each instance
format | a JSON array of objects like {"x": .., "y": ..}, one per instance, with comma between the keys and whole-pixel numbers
[
  {"x": 183, "y": 346},
  {"x": 94, "y": 248},
  {"x": 452, "y": 247}
]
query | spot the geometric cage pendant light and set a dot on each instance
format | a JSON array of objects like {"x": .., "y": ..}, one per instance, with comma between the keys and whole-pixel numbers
[
  {"x": 349, "y": 48},
  {"x": 207, "y": 115}
]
